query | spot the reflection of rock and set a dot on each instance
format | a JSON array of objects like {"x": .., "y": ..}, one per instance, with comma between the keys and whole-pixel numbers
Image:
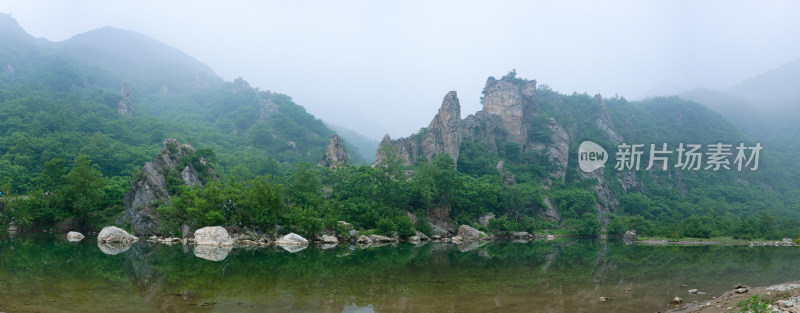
[
  {"x": 382, "y": 239},
  {"x": 329, "y": 239},
  {"x": 74, "y": 236},
  {"x": 212, "y": 253},
  {"x": 293, "y": 249},
  {"x": 114, "y": 234},
  {"x": 291, "y": 239},
  {"x": 113, "y": 248},
  {"x": 469, "y": 245},
  {"x": 326, "y": 246},
  {"x": 212, "y": 236},
  {"x": 364, "y": 240}
]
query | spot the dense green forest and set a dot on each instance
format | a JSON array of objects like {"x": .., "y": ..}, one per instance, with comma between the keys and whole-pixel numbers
[{"x": 69, "y": 154}]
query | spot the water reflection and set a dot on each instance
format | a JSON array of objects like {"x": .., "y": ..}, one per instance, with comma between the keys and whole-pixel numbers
[
  {"x": 113, "y": 248},
  {"x": 550, "y": 276},
  {"x": 212, "y": 253}
]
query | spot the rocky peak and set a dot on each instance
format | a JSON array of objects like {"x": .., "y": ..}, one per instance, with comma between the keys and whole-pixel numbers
[
  {"x": 511, "y": 98},
  {"x": 335, "y": 154},
  {"x": 150, "y": 189},
  {"x": 443, "y": 135},
  {"x": 239, "y": 84},
  {"x": 125, "y": 106},
  {"x": 605, "y": 123}
]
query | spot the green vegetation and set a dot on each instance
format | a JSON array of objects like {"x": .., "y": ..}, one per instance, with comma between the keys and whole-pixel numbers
[{"x": 754, "y": 304}]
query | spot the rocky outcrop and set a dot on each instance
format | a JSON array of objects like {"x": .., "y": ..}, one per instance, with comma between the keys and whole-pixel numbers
[
  {"x": 125, "y": 106},
  {"x": 74, "y": 236},
  {"x": 512, "y": 100},
  {"x": 443, "y": 135},
  {"x": 150, "y": 189},
  {"x": 335, "y": 154},
  {"x": 212, "y": 236},
  {"x": 115, "y": 235}
]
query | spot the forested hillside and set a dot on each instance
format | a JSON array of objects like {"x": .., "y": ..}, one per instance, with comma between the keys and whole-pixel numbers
[{"x": 80, "y": 119}]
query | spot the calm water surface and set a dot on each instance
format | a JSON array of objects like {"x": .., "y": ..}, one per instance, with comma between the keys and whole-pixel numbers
[{"x": 45, "y": 273}]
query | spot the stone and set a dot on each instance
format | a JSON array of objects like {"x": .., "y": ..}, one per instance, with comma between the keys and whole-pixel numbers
[
  {"x": 212, "y": 253},
  {"x": 740, "y": 290},
  {"x": 785, "y": 303},
  {"x": 484, "y": 220},
  {"x": 212, "y": 236},
  {"x": 352, "y": 233},
  {"x": 186, "y": 232},
  {"x": 676, "y": 300},
  {"x": 467, "y": 232},
  {"x": 422, "y": 236},
  {"x": 379, "y": 238},
  {"x": 292, "y": 239},
  {"x": 629, "y": 235},
  {"x": 335, "y": 154},
  {"x": 413, "y": 239},
  {"x": 603, "y": 299},
  {"x": 693, "y": 291},
  {"x": 551, "y": 237},
  {"x": 113, "y": 234},
  {"x": 521, "y": 234},
  {"x": 457, "y": 239},
  {"x": 436, "y": 237},
  {"x": 328, "y": 239},
  {"x": 439, "y": 231},
  {"x": 74, "y": 236},
  {"x": 364, "y": 240}
]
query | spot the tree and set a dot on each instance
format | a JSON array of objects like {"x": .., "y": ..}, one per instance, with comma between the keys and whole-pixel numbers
[{"x": 84, "y": 190}]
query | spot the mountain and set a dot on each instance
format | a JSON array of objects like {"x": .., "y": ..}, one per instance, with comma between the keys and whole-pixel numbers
[{"x": 115, "y": 95}]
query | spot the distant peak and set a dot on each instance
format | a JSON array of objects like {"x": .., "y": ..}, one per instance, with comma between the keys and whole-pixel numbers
[{"x": 9, "y": 25}]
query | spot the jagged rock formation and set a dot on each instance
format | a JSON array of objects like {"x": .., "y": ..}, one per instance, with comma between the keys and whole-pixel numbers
[
  {"x": 125, "y": 106},
  {"x": 511, "y": 100},
  {"x": 335, "y": 154},
  {"x": 443, "y": 135},
  {"x": 509, "y": 114},
  {"x": 151, "y": 188}
]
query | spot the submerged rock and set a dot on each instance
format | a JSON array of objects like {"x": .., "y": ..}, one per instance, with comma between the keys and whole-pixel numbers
[
  {"x": 113, "y": 234},
  {"x": 212, "y": 253},
  {"x": 74, "y": 236},
  {"x": 292, "y": 239},
  {"x": 212, "y": 236},
  {"x": 294, "y": 248}
]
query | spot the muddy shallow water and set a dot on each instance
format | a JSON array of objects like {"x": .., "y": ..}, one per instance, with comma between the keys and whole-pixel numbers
[{"x": 45, "y": 273}]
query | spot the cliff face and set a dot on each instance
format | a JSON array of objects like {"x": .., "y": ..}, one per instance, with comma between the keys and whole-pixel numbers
[
  {"x": 511, "y": 100},
  {"x": 443, "y": 135},
  {"x": 150, "y": 189},
  {"x": 335, "y": 154},
  {"x": 125, "y": 106}
]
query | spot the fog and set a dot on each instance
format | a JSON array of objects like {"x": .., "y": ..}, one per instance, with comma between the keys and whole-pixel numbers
[{"x": 384, "y": 66}]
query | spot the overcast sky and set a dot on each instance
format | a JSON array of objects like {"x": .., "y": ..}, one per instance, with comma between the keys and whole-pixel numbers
[{"x": 384, "y": 66}]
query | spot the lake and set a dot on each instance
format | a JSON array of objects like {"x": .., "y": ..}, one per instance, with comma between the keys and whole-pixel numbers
[{"x": 46, "y": 273}]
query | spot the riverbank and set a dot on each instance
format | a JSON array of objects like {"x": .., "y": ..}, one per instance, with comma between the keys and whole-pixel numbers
[
  {"x": 783, "y": 297},
  {"x": 715, "y": 241}
]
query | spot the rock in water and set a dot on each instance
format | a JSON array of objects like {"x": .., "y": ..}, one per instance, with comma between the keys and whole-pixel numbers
[
  {"x": 291, "y": 239},
  {"x": 328, "y": 239},
  {"x": 379, "y": 238},
  {"x": 113, "y": 234},
  {"x": 468, "y": 233},
  {"x": 212, "y": 236},
  {"x": 676, "y": 300},
  {"x": 629, "y": 237},
  {"x": 74, "y": 236}
]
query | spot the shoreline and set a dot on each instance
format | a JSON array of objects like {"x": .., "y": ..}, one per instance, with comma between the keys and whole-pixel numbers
[
  {"x": 783, "y": 297},
  {"x": 786, "y": 242}
]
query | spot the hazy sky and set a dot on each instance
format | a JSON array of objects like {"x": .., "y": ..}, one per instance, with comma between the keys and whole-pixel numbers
[{"x": 384, "y": 66}]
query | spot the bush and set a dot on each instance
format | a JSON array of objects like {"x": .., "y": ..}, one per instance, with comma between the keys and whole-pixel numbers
[
  {"x": 386, "y": 226},
  {"x": 405, "y": 228}
]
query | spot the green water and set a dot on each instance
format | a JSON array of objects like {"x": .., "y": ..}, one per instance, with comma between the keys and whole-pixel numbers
[{"x": 48, "y": 274}]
